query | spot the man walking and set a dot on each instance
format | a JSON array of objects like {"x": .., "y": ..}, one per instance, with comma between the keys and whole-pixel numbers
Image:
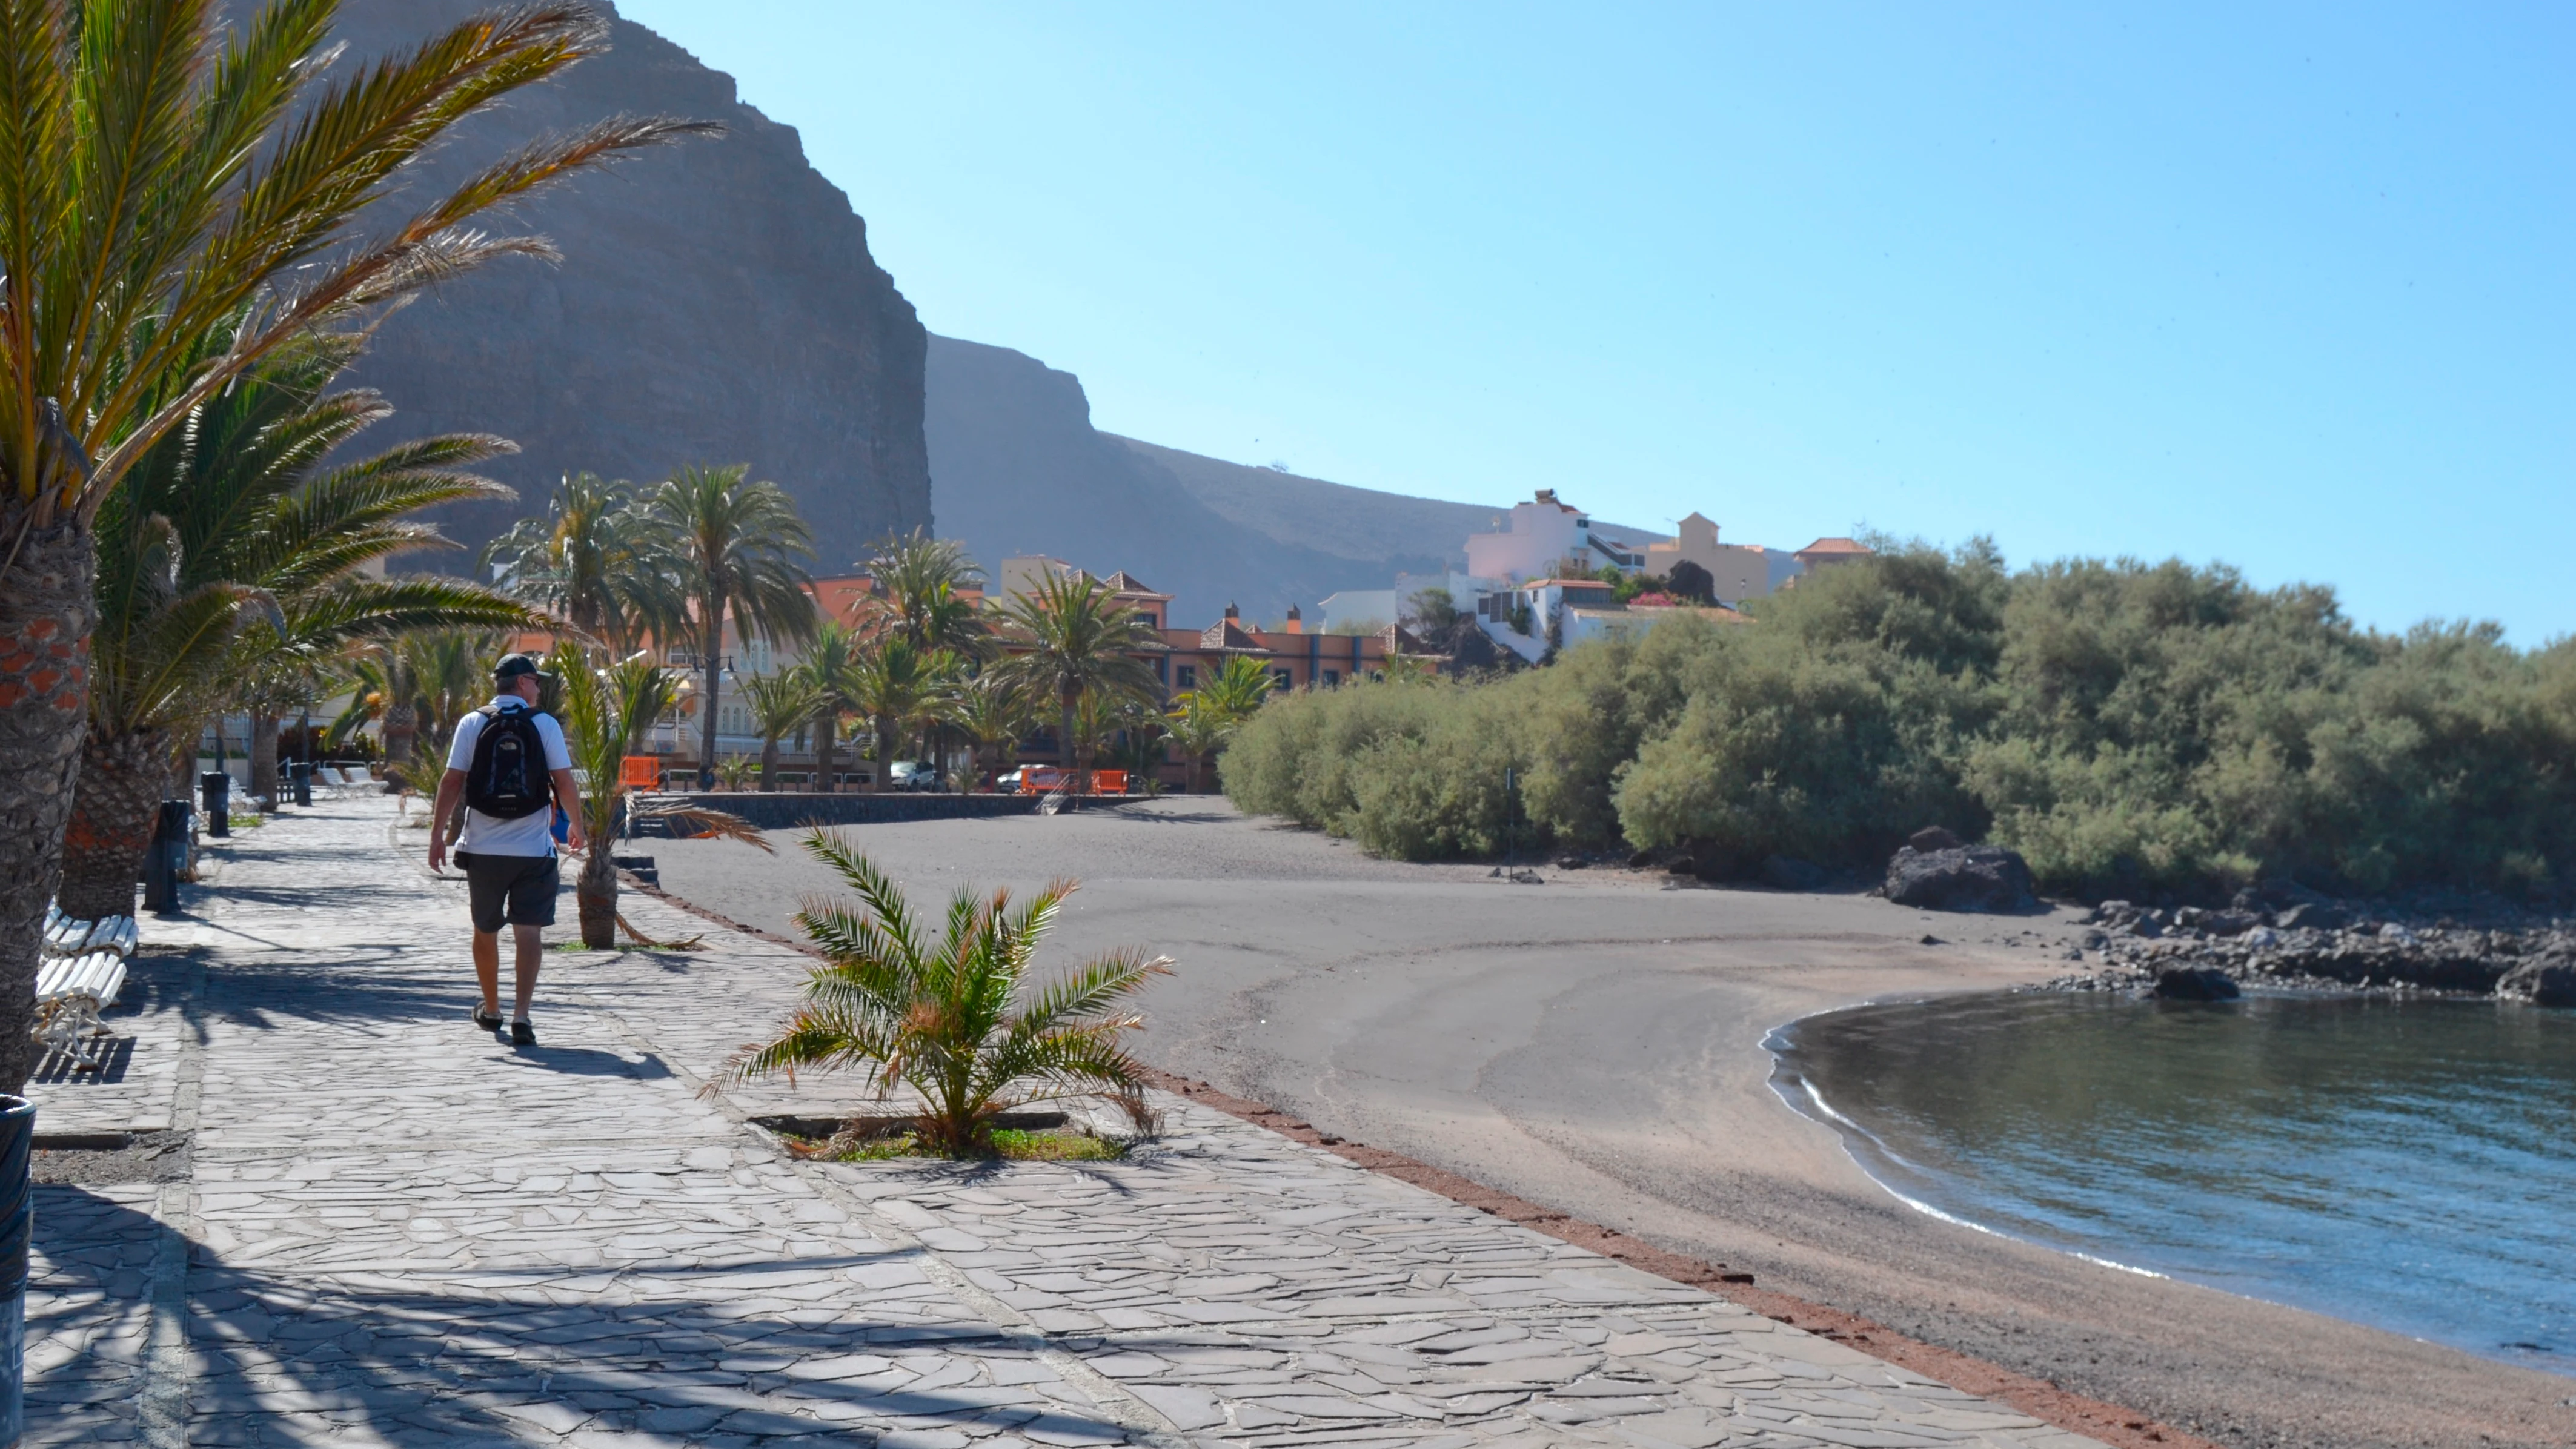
[{"x": 507, "y": 768}]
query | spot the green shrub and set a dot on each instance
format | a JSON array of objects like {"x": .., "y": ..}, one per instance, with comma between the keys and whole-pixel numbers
[{"x": 2124, "y": 725}]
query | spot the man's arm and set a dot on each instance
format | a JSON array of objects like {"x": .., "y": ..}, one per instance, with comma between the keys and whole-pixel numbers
[
  {"x": 451, "y": 791},
  {"x": 568, "y": 799}
]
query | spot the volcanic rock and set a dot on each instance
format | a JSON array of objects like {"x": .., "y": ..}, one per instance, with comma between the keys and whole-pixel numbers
[
  {"x": 2187, "y": 983},
  {"x": 1959, "y": 878},
  {"x": 2542, "y": 983}
]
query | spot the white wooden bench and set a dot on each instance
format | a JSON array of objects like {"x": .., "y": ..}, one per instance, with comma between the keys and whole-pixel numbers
[
  {"x": 71, "y": 991},
  {"x": 67, "y": 936},
  {"x": 82, "y": 973}
]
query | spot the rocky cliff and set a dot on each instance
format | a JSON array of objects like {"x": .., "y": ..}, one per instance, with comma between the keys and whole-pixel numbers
[
  {"x": 1021, "y": 470},
  {"x": 716, "y": 304}
]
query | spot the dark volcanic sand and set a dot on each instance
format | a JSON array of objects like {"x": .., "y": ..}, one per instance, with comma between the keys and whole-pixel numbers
[{"x": 1594, "y": 1044}]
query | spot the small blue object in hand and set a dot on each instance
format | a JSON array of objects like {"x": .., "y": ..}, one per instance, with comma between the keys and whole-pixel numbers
[{"x": 563, "y": 825}]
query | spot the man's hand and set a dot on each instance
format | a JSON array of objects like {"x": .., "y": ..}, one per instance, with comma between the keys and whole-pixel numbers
[
  {"x": 574, "y": 842},
  {"x": 437, "y": 849}
]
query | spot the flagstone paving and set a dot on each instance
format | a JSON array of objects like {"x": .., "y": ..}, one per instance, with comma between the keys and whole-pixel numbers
[{"x": 397, "y": 1231}]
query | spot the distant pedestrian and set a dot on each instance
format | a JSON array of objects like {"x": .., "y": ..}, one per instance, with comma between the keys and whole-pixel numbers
[{"x": 509, "y": 770}]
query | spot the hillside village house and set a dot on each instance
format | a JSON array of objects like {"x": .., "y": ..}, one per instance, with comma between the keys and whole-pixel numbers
[{"x": 1545, "y": 537}]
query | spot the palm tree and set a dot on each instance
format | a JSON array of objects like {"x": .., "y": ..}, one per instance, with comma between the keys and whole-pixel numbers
[
  {"x": 995, "y": 713},
  {"x": 959, "y": 1019},
  {"x": 1199, "y": 729},
  {"x": 897, "y": 687},
  {"x": 781, "y": 704},
  {"x": 453, "y": 671},
  {"x": 164, "y": 165},
  {"x": 1202, "y": 720},
  {"x": 734, "y": 545},
  {"x": 922, "y": 579},
  {"x": 1073, "y": 638},
  {"x": 604, "y": 712},
  {"x": 831, "y": 669},
  {"x": 597, "y": 560},
  {"x": 230, "y": 577}
]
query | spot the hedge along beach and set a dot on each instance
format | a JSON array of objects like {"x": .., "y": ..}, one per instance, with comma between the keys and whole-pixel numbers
[{"x": 1594, "y": 1044}]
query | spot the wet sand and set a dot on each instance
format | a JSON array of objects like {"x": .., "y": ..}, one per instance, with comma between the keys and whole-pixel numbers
[{"x": 1594, "y": 1044}]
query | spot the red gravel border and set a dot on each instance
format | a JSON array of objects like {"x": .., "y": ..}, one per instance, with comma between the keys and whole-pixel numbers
[{"x": 2042, "y": 1400}]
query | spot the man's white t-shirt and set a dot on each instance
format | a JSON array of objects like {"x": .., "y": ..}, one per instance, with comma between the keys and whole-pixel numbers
[{"x": 532, "y": 834}]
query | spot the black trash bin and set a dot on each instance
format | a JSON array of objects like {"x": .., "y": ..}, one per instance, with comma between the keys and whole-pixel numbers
[
  {"x": 17, "y": 1225},
  {"x": 216, "y": 788},
  {"x": 302, "y": 774},
  {"x": 162, "y": 862}
]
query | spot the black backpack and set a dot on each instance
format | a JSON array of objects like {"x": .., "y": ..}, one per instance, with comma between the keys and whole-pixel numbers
[{"x": 509, "y": 779}]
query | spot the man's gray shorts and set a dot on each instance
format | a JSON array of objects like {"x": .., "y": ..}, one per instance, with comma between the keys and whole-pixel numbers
[{"x": 517, "y": 890}]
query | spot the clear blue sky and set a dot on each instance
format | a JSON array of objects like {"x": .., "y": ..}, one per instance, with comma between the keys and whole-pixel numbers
[{"x": 2286, "y": 287}]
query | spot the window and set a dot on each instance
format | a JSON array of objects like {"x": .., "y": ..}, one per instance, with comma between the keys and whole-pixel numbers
[
  {"x": 1189, "y": 676},
  {"x": 1285, "y": 679},
  {"x": 1332, "y": 677}
]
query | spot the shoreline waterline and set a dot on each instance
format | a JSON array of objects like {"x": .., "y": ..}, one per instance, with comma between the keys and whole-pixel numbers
[{"x": 2279, "y": 1172}]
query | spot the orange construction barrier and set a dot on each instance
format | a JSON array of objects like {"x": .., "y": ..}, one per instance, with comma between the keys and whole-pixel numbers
[
  {"x": 1040, "y": 779},
  {"x": 641, "y": 772}
]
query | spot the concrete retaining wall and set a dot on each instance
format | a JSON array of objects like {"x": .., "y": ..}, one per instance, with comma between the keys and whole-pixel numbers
[{"x": 787, "y": 810}]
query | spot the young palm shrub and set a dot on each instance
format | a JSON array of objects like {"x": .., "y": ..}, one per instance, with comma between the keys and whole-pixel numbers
[
  {"x": 604, "y": 712},
  {"x": 733, "y": 772},
  {"x": 958, "y": 1019}
]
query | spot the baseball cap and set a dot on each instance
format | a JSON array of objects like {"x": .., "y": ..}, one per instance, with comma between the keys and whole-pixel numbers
[{"x": 515, "y": 665}]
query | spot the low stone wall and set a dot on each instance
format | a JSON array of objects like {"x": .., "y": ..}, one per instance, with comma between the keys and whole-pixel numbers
[{"x": 786, "y": 810}]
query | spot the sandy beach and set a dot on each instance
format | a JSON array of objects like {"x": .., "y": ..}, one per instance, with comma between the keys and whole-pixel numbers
[{"x": 1593, "y": 1043}]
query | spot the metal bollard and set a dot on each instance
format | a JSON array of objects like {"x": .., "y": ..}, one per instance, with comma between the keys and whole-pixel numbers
[
  {"x": 165, "y": 858},
  {"x": 17, "y": 1226},
  {"x": 302, "y": 774},
  {"x": 216, "y": 787}
]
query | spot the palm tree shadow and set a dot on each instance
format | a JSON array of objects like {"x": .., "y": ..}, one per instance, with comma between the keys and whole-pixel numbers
[{"x": 524, "y": 1355}]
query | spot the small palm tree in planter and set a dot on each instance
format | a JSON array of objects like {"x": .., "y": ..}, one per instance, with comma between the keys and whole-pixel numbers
[
  {"x": 604, "y": 712},
  {"x": 957, "y": 1019}
]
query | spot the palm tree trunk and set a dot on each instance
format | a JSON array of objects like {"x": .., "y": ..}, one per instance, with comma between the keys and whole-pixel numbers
[
  {"x": 402, "y": 726},
  {"x": 824, "y": 731},
  {"x": 877, "y": 778},
  {"x": 1064, "y": 730},
  {"x": 595, "y": 893},
  {"x": 713, "y": 663},
  {"x": 47, "y": 609},
  {"x": 769, "y": 765},
  {"x": 114, "y": 808},
  {"x": 263, "y": 759}
]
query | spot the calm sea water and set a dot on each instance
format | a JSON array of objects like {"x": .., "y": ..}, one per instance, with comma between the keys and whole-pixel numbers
[{"x": 2409, "y": 1165}]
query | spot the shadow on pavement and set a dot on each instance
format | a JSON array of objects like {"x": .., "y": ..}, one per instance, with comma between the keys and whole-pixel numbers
[{"x": 511, "y": 1362}]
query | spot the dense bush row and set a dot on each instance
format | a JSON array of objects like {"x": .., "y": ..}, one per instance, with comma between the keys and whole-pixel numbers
[{"x": 2124, "y": 726}]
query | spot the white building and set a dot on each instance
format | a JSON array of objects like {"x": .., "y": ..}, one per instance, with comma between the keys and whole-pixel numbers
[
  {"x": 1545, "y": 537},
  {"x": 1354, "y": 608}
]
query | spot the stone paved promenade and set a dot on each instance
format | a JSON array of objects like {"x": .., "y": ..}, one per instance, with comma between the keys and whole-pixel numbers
[{"x": 390, "y": 1229}]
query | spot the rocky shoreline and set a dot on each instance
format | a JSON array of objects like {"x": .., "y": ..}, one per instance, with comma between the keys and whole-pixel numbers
[{"x": 2318, "y": 944}]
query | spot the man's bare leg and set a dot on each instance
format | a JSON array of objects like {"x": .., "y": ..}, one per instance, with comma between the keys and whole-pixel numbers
[
  {"x": 532, "y": 951},
  {"x": 487, "y": 970}
]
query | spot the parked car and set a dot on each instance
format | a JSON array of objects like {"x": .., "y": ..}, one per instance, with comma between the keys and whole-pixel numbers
[
  {"x": 912, "y": 775},
  {"x": 1008, "y": 783}
]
